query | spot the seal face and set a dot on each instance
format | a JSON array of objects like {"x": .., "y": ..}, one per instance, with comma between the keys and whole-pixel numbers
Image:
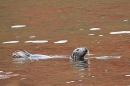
[
  {"x": 20, "y": 54},
  {"x": 78, "y": 54}
]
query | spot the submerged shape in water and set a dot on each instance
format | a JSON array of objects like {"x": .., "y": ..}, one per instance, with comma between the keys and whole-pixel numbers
[{"x": 10, "y": 42}]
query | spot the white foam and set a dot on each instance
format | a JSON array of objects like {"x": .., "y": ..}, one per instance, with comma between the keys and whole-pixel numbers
[
  {"x": 61, "y": 41},
  {"x": 10, "y": 42},
  {"x": 95, "y": 29},
  {"x": 18, "y": 26},
  {"x": 37, "y": 41},
  {"x": 120, "y": 32}
]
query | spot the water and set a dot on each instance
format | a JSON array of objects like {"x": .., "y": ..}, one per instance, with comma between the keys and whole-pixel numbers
[{"x": 46, "y": 24}]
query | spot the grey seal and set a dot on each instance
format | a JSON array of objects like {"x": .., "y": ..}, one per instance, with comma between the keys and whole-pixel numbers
[
  {"x": 79, "y": 54},
  {"x": 26, "y": 55}
]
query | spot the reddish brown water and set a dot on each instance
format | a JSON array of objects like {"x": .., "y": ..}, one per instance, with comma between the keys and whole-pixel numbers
[{"x": 55, "y": 20}]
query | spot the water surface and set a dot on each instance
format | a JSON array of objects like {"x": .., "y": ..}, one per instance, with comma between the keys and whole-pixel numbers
[{"x": 101, "y": 26}]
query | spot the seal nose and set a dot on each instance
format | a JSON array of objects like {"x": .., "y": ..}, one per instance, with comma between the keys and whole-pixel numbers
[{"x": 86, "y": 50}]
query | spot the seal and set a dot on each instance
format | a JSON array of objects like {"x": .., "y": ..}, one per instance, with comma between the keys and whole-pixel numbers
[
  {"x": 26, "y": 55},
  {"x": 79, "y": 54},
  {"x": 21, "y": 54}
]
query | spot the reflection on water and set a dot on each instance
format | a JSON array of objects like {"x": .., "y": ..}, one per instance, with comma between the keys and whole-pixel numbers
[
  {"x": 95, "y": 29},
  {"x": 32, "y": 36},
  {"x": 126, "y": 20},
  {"x": 10, "y": 42},
  {"x": 36, "y": 41},
  {"x": 100, "y": 35},
  {"x": 81, "y": 64},
  {"x": 120, "y": 32},
  {"x": 107, "y": 57},
  {"x": 127, "y": 75},
  {"x": 61, "y": 41},
  {"x": 82, "y": 67},
  {"x": 18, "y": 26},
  {"x": 5, "y": 75},
  {"x": 91, "y": 34}
]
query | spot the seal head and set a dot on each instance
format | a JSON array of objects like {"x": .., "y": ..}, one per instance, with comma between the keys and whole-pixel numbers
[
  {"x": 20, "y": 54},
  {"x": 79, "y": 54}
]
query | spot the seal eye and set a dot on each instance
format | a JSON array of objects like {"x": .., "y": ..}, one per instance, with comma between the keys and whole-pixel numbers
[{"x": 77, "y": 49}]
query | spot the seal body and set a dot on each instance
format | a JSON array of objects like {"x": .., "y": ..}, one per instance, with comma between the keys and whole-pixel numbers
[
  {"x": 79, "y": 54},
  {"x": 26, "y": 55}
]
